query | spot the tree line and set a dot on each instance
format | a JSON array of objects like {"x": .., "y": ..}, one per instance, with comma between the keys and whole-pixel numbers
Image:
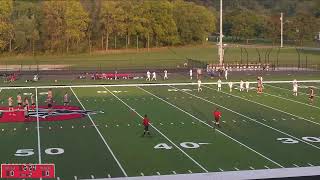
[
  {"x": 74, "y": 25},
  {"x": 34, "y": 26}
]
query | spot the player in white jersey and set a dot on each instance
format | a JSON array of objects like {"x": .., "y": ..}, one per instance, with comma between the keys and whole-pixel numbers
[
  {"x": 33, "y": 103},
  {"x": 226, "y": 74},
  {"x": 66, "y": 99},
  {"x": 219, "y": 85},
  {"x": 154, "y": 76},
  {"x": 165, "y": 75},
  {"x": 230, "y": 85},
  {"x": 10, "y": 104},
  {"x": 241, "y": 85},
  {"x": 295, "y": 87},
  {"x": 190, "y": 73},
  {"x": 148, "y": 76},
  {"x": 247, "y": 85},
  {"x": 261, "y": 79},
  {"x": 26, "y": 102},
  {"x": 199, "y": 85},
  {"x": 19, "y": 101}
]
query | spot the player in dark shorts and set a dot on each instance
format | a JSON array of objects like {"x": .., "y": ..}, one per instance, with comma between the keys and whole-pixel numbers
[
  {"x": 311, "y": 95},
  {"x": 49, "y": 103},
  {"x": 66, "y": 99},
  {"x": 33, "y": 103},
  {"x": 146, "y": 123}
]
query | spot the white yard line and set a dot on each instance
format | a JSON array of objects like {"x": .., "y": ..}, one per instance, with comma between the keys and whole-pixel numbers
[
  {"x": 275, "y": 129},
  {"x": 266, "y": 106},
  {"x": 287, "y": 89},
  {"x": 103, "y": 139},
  {"x": 38, "y": 126},
  {"x": 291, "y": 100},
  {"x": 233, "y": 139},
  {"x": 197, "y": 163}
]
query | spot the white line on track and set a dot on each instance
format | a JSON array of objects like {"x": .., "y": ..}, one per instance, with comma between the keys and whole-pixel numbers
[
  {"x": 197, "y": 163},
  {"x": 38, "y": 124},
  {"x": 310, "y": 164},
  {"x": 254, "y": 120},
  {"x": 233, "y": 139},
  {"x": 103, "y": 139},
  {"x": 267, "y": 106},
  {"x": 155, "y": 84},
  {"x": 291, "y": 100}
]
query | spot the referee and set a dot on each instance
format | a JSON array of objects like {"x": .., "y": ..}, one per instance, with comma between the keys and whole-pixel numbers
[{"x": 146, "y": 123}]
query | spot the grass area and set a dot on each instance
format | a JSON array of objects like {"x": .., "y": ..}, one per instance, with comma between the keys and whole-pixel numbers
[
  {"x": 265, "y": 131},
  {"x": 166, "y": 58}
]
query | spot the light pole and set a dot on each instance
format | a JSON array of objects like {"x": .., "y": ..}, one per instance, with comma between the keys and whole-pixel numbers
[
  {"x": 221, "y": 36},
  {"x": 281, "y": 19}
]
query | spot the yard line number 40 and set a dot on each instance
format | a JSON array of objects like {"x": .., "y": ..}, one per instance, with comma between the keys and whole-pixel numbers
[
  {"x": 293, "y": 141},
  {"x": 186, "y": 145}
]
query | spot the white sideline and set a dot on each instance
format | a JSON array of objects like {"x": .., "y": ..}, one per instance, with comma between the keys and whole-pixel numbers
[
  {"x": 38, "y": 126},
  {"x": 146, "y": 84},
  {"x": 213, "y": 128},
  {"x": 197, "y": 163},
  {"x": 103, "y": 139},
  {"x": 248, "y": 117},
  {"x": 235, "y": 175}
]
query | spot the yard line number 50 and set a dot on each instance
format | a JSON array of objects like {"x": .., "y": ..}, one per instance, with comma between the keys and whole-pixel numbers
[{"x": 30, "y": 152}]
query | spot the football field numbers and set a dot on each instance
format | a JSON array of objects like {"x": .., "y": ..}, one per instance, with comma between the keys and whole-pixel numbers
[
  {"x": 30, "y": 152},
  {"x": 293, "y": 141},
  {"x": 186, "y": 145}
]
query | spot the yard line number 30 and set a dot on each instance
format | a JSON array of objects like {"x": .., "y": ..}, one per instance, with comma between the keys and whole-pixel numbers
[{"x": 294, "y": 141}]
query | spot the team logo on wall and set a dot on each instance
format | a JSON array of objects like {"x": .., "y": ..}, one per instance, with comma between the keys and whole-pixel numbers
[{"x": 56, "y": 113}]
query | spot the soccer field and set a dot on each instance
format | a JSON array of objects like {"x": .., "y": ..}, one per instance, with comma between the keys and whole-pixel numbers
[{"x": 99, "y": 134}]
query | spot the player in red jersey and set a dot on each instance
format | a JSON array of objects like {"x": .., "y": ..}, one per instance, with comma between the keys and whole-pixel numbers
[
  {"x": 217, "y": 115},
  {"x": 146, "y": 123}
]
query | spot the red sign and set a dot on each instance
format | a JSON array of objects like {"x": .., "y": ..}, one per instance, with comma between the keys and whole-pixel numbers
[{"x": 27, "y": 171}]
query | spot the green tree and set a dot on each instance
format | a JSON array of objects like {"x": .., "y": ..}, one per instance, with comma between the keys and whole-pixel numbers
[
  {"x": 25, "y": 18},
  {"x": 245, "y": 24},
  {"x": 53, "y": 25},
  {"x": 6, "y": 27},
  {"x": 302, "y": 27},
  {"x": 194, "y": 22},
  {"x": 77, "y": 22}
]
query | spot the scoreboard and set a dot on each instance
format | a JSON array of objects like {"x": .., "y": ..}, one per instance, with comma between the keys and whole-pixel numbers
[{"x": 27, "y": 171}]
